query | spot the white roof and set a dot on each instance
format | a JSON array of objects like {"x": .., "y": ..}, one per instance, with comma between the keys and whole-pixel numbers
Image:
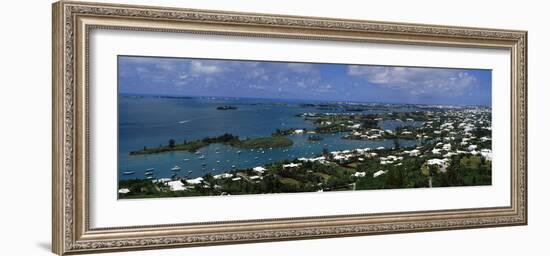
[
  {"x": 291, "y": 165},
  {"x": 378, "y": 173},
  {"x": 223, "y": 176},
  {"x": 437, "y": 161},
  {"x": 195, "y": 180},
  {"x": 359, "y": 174},
  {"x": 176, "y": 185},
  {"x": 259, "y": 169},
  {"x": 123, "y": 191}
]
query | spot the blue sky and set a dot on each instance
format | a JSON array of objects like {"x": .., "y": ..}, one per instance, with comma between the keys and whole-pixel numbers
[{"x": 310, "y": 81}]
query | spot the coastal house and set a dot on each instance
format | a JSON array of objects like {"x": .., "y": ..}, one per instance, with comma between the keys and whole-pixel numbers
[
  {"x": 194, "y": 181},
  {"x": 259, "y": 169},
  {"x": 176, "y": 185},
  {"x": 223, "y": 176},
  {"x": 359, "y": 174},
  {"x": 299, "y": 131},
  {"x": 291, "y": 165},
  {"x": 371, "y": 154},
  {"x": 320, "y": 159},
  {"x": 447, "y": 147},
  {"x": 123, "y": 191},
  {"x": 378, "y": 173},
  {"x": 414, "y": 152},
  {"x": 440, "y": 163}
]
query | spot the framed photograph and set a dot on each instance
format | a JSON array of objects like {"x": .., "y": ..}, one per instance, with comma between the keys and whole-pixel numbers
[{"x": 178, "y": 127}]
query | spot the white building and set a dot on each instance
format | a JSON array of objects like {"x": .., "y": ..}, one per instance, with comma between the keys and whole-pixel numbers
[
  {"x": 414, "y": 152},
  {"x": 440, "y": 163},
  {"x": 176, "y": 185},
  {"x": 378, "y": 173},
  {"x": 223, "y": 176},
  {"x": 291, "y": 165},
  {"x": 259, "y": 169},
  {"x": 195, "y": 181},
  {"x": 359, "y": 174}
]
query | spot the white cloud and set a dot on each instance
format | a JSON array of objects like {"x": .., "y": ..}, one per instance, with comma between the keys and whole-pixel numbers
[
  {"x": 417, "y": 80},
  {"x": 200, "y": 68}
]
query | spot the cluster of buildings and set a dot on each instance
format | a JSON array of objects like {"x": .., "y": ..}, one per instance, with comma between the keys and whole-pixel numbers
[{"x": 445, "y": 134}]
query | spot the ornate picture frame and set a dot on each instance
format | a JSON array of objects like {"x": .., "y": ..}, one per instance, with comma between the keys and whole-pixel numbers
[{"x": 72, "y": 23}]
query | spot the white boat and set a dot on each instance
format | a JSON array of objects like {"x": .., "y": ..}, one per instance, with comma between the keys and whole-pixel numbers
[
  {"x": 150, "y": 170},
  {"x": 128, "y": 172},
  {"x": 202, "y": 157},
  {"x": 176, "y": 168},
  {"x": 238, "y": 152}
]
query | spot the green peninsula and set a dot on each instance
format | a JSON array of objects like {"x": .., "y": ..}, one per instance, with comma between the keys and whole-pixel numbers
[{"x": 227, "y": 139}]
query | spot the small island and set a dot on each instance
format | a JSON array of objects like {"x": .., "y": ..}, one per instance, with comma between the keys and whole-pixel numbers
[
  {"x": 227, "y": 139},
  {"x": 226, "y": 108}
]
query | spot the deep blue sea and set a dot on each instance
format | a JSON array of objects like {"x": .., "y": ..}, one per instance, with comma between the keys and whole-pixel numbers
[{"x": 151, "y": 121}]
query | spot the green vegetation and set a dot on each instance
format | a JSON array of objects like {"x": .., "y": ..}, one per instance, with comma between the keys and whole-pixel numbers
[
  {"x": 265, "y": 142},
  {"x": 465, "y": 170},
  {"x": 227, "y": 139}
]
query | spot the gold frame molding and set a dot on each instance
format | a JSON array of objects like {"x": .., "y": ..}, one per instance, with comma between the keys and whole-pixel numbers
[{"x": 72, "y": 22}]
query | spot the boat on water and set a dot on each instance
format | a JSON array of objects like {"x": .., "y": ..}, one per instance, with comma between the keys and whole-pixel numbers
[
  {"x": 190, "y": 172},
  {"x": 238, "y": 152},
  {"x": 149, "y": 177},
  {"x": 176, "y": 168},
  {"x": 202, "y": 157},
  {"x": 197, "y": 153},
  {"x": 149, "y": 171},
  {"x": 128, "y": 172}
]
